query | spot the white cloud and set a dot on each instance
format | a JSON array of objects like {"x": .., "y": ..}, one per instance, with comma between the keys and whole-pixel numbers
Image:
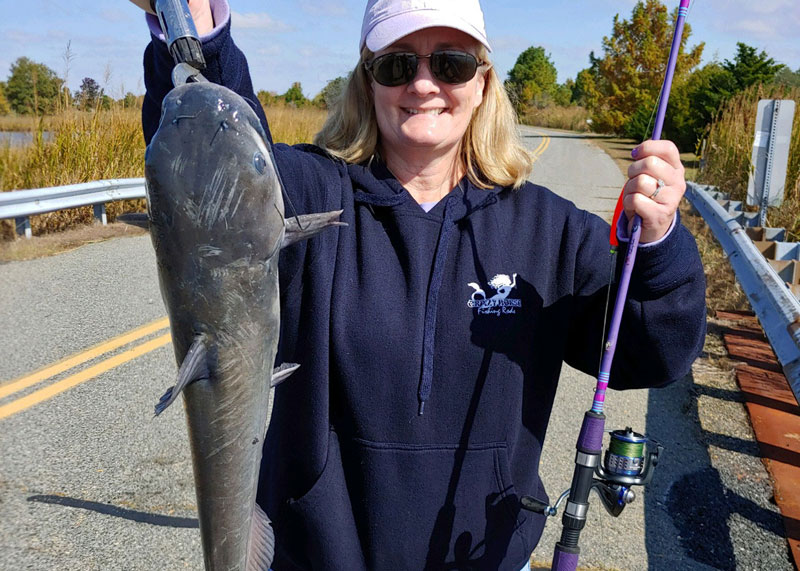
[
  {"x": 323, "y": 8},
  {"x": 258, "y": 21},
  {"x": 758, "y": 28}
]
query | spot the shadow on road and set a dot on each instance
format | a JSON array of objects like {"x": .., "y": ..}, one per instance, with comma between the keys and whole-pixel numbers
[
  {"x": 688, "y": 495},
  {"x": 107, "y": 509}
]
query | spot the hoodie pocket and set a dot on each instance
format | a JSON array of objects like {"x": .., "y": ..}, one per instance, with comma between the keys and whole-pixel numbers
[
  {"x": 331, "y": 538},
  {"x": 436, "y": 507}
]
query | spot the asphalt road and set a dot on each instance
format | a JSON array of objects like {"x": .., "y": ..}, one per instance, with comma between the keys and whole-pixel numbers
[{"x": 89, "y": 480}]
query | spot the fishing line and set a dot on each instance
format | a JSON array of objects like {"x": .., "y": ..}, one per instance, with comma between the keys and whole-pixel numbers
[
  {"x": 611, "y": 268},
  {"x": 283, "y": 188}
]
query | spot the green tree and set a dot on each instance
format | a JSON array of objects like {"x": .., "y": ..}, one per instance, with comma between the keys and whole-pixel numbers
[
  {"x": 750, "y": 67},
  {"x": 332, "y": 90},
  {"x": 294, "y": 95},
  {"x": 89, "y": 94},
  {"x": 585, "y": 92},
  {"x": 628, "y": 77},
  {"x": 268, "y": 98},
  {"x": 130, "y": 100},
  {"x": 788, "y": 77},
  {"x": 695, "y": 102},
  {"x": 32, "y": 87},
  {"x": 5, "y": 108},
  {"x": 563, "y": 95},
  {"x": 532, "y": 80}
]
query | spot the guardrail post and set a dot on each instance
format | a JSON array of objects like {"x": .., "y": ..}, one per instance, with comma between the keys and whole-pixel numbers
[
  {"x": 23, "y": 225},
  {"x": 100, "y": 213}
]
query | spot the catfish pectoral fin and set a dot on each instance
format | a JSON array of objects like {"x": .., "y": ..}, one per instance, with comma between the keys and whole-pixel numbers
[
  {"x": 193, "y": 368},
  {"x": 138, "y": 219},
  {"x": 309, "y": 225},
  {"x": 262, "y": 542},
  {"x": 282, "y": 372}
]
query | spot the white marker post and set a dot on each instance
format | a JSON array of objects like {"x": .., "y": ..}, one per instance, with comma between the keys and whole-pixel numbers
[{"x": 770, "y": 158}]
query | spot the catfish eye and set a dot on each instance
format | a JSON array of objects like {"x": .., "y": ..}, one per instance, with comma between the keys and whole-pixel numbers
[{"x": 259, "y": 162}]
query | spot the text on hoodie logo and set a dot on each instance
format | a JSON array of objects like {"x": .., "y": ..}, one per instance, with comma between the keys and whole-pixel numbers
[{"x": 499, "y": 303}]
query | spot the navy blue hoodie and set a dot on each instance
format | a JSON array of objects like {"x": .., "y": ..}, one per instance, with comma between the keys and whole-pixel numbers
[{"x": 469, "y": 311}]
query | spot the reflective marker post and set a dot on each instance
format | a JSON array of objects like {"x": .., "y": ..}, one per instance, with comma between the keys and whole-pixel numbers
[{"x": 767, "y": 179}]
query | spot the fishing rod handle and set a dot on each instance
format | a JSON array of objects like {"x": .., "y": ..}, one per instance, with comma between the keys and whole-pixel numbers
[
  {"x": 180, "y": 32},
  {"x": 565, "y": 558},
  {"x": 587, "y": 458}
]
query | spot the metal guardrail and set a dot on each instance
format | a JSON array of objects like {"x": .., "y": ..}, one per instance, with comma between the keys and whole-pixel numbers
[
  {"x": 772, "y": 300},
  {"x": 777, "y": 308},
  {"x": 22, "y": 204}
]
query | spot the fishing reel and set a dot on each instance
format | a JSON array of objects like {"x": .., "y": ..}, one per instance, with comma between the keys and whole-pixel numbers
[{"x": 629, "y": 461}]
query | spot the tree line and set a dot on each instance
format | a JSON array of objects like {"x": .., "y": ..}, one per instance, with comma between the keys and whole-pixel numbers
[{"x": 34, "y": 89}]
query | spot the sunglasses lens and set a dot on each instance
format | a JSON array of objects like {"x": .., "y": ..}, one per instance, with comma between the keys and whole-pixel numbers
[
  {"x": 395, "y": 69},
  {"x": 392, "y": 70},
  {"x": 453, "y": 67}
]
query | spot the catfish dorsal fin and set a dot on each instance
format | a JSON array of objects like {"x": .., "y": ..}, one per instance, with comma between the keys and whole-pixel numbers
[
  {"x": 308, "y": 225},
  {"x": 261, "y": 548},
  {"x": 194, "y": 367}
]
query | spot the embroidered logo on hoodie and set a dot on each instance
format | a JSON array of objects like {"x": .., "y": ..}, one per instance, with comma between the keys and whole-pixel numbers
[{"x": 499, "y": 303}]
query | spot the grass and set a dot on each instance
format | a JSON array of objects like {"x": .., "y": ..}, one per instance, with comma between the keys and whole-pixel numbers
[
  {"x": 51, "y": 244},
  {"x": 295, "y": 125},
  {"x": 25, "y": 123},
  {"x": 572, "y": 118}
]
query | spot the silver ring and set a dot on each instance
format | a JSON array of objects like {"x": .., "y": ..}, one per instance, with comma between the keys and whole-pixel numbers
[{"x": 659, "y": 186}]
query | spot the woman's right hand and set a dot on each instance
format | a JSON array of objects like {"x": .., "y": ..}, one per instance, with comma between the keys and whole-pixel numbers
[{"x": 200, "y": 9}]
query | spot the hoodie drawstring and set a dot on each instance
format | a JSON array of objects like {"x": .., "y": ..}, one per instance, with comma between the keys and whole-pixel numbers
[
  {"x": 432, "y": 302},
  {"x": 432, "y": 305}
]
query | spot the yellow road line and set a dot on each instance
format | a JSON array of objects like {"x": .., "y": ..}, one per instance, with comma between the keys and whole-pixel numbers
[
  {"x": 85, "y": 375},
  {"x": 79, "y": 358},
  {"x": 542, "y": 146}
]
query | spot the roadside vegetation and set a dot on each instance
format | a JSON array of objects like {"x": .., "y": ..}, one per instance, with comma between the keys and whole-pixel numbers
[{"x": 88, "y": 141}]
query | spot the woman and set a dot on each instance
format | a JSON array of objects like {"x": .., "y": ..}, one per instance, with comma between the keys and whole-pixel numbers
[{"x": 432, "y": 330}]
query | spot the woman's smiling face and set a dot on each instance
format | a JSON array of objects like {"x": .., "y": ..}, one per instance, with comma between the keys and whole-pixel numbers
[{"x": 427, "y": 113}]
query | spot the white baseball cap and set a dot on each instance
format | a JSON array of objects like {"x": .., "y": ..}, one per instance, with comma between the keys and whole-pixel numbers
[{"x": 386, "y": 21}]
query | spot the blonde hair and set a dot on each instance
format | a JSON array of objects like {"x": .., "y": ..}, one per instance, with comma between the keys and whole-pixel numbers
[{"x": 491, "y": 150}]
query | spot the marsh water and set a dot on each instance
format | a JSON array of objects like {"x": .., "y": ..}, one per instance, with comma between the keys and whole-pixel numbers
[{"x": 19, "y": 138}]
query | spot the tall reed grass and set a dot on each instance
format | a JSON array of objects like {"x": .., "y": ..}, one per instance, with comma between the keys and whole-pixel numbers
[
  {"x": 293, "y": 125},
  {"x": 729, "y": 149},
  {"x": 572, "y": 118},
  {"x": 104, "y": 144},
  {"x": 25, "y": 123}
]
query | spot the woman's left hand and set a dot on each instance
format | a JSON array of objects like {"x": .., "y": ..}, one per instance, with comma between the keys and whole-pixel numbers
[{"x": 654, "y": 188}]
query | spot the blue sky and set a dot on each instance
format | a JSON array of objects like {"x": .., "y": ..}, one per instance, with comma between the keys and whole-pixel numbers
[{"x": 313, "y": 41}]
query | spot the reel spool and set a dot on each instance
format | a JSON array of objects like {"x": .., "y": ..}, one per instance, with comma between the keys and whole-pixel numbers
[
  {"x": 630, "y": 459},
  {"x": 625, "y": 454}
]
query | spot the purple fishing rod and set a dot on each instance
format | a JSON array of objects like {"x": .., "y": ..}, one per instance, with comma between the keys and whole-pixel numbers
[{"x": 624, "y": 464}]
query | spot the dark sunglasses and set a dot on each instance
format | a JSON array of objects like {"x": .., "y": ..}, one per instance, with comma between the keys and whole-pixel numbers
[{"x": 449, "y": 66}]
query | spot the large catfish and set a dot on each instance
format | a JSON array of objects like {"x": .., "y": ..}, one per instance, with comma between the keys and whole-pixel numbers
[{"x": 216, "y": 219}]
